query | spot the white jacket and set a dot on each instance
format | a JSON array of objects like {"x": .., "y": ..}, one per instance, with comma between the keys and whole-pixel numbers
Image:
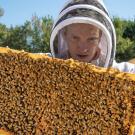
[{"x": 124, "y": 67}]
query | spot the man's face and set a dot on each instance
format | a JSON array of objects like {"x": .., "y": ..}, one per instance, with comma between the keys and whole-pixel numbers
[{"x": 83, "y": 40}]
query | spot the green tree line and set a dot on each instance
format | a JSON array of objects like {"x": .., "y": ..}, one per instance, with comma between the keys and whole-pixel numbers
[
  {"x": 34, "y": 35},
  {"x": 125, "y": 33}
]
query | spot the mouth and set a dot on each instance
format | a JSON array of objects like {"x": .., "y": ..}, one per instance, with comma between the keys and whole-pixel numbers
[{"x": 82, "y": 56}]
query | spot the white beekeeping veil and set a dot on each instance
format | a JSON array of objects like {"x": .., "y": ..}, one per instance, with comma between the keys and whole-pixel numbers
[{"x": 91, "y": 12}]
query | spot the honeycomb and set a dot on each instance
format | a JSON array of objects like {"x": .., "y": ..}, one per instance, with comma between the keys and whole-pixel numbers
[{"x": 40, "y": 95}]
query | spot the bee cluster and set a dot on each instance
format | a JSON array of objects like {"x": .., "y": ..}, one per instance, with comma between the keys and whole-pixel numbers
[{"x": 40, "y": 95}]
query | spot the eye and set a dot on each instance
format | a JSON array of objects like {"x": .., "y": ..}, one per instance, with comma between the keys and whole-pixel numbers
[
  {"x": 75, "y": 38},
  {"x": 93, "y": 40}
]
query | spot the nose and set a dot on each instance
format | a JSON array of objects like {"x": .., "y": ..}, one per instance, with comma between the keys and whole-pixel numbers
[{"x": 83, "y": 47}]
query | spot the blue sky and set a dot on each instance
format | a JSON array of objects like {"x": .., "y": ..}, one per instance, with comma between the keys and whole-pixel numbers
[{"x": 18, "y": 11}]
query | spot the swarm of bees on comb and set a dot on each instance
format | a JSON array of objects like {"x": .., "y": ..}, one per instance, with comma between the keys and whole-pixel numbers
[{"x": 40, "y": 95}]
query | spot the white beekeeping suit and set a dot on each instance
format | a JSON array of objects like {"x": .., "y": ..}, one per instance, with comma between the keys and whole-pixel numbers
[{"x": 91, "y": 12}]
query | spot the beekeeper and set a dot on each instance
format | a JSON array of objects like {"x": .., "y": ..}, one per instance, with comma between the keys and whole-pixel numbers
[{"x": 85, "y": 32}]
